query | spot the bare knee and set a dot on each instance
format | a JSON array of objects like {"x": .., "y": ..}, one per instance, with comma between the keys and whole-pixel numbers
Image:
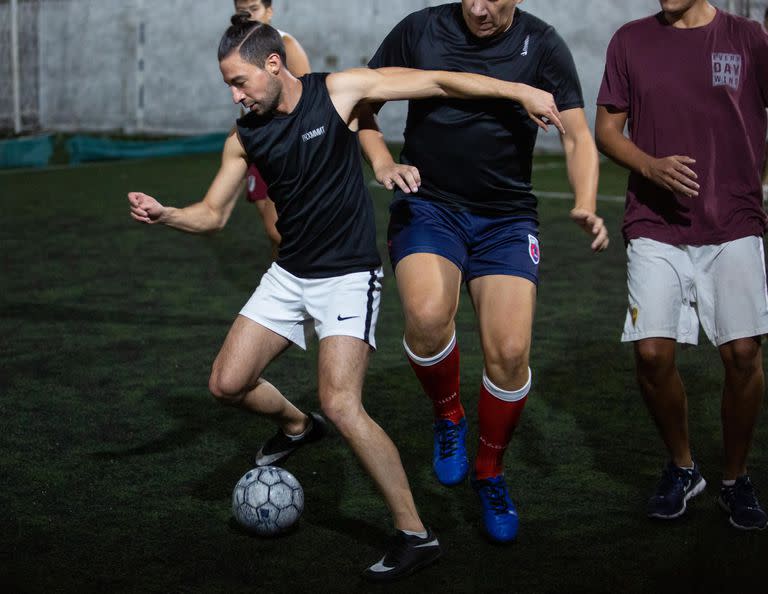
[
  {"x": 342, "y": 410},
  {"x": 743, "y": 355},
  {"x": 225, "y": 388},
  {"x": 506, "y": 361},
  {"x": 428, "y": 325},
  {"x": 655, "y": 356}
]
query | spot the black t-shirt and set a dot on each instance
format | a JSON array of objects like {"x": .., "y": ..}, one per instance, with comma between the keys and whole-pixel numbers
[
  {"x": 477, "y": 154},
  {"x": 310, "y": 160}
]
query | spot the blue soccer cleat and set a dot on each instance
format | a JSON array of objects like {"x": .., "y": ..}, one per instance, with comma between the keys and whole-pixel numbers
[
  {"x": 449, "y": 456},
  {"x": 499, "y": 514}
]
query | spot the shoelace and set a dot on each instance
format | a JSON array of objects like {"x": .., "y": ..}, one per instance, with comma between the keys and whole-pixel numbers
[
  {"x": 448, "y": 440},
  {"x": 744, "y": 493},
  {"x": 671, "y": 477},
  {"x": 497, "y": 498}
]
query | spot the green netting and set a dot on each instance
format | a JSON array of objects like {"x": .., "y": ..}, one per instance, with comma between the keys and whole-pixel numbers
[
  {"x": 33, "y": 151},
  {"x": 87, "y": 148}
]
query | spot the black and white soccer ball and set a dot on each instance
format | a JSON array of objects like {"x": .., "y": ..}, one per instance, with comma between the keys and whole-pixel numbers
[{"x": 267, "y": 500}]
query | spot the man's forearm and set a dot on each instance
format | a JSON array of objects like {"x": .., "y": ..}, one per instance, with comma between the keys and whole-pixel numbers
[
  {"x": 623, "y": 151},
  {"x": 371, "y": 139},
  {"x": 583, "y": 167},
  {"x": 196, "y": 218},
  {"x": 474, "y": 86}
]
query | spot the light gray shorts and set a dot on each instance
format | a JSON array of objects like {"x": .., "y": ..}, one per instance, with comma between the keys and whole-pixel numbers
[
  {"x": 346, "y": 305},
  {"x": 674, "y": 288}
]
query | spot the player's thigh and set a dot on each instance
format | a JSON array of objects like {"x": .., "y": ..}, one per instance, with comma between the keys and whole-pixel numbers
[
  {"x": 661, "y": 293},
  {"x": 341, "y": 365},
  {"x": 731, "y": 289},
  {"x": 248, "y": 348},
  {"x": 505, "y": 307},
  {"x": 428, "y": 252},
  {"x": 429, "y": 287}
]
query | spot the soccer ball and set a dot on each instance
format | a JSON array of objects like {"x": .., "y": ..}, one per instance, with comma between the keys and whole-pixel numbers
[{"x": 267, "y": 500}]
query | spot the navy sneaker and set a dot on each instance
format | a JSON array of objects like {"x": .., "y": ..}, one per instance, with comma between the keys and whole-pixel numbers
[
  {"x": 499, "y": 513},
  {"x": 280, "y": 446},
  {"x": 740, "y": 501},
  {"x": 676, "y": 487},
  {"x": 409, "y": 553},
  {"x": 449, "y": 455}
]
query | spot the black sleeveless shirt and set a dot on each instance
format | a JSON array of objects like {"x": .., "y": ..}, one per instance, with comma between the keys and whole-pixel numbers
[{"x": 310, "y": 160}]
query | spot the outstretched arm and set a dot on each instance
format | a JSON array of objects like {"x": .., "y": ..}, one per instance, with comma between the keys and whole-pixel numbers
[
  {"x": 212, "y": 212},
  {"x": 350, "y": 87},
  {"x": 583, "y": 171},
  {"x": 672, "y": 173}
]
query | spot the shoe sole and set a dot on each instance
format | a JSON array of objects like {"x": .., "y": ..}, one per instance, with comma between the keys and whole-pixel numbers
[
  {"x": 690, "y": 495},
  {"x": 387, "y": 577}
]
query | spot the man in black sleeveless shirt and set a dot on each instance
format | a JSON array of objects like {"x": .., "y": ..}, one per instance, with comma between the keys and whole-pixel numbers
[
  {"x": 464, "y": 211},
  {"x": 327, "y": 273}
]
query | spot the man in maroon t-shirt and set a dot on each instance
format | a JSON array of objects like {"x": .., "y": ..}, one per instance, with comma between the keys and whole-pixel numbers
[{"x": 692, "y": 82}]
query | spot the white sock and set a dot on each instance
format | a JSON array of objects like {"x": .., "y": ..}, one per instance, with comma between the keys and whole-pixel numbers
[
  {"x": 303, "y": 433},
  {"x": 728, "y": 483},
  {"x": 412, "y": 533}
]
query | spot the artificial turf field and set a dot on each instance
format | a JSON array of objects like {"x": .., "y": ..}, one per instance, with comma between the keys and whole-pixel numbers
[{"x": 117, "y": 467}]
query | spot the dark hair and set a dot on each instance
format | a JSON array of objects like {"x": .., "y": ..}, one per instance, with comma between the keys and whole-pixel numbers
[
  {"x": 254, "y": 41},
  {"x": 264, "y": 3}
]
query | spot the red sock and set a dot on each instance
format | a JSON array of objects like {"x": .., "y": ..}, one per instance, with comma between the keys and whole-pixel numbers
[
  {"x": 439, "y": 376},
  {"x": 498, "y": 414}
]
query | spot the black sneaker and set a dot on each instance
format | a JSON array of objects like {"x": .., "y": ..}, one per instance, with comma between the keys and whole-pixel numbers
[
  {"x": 676, "y": 487},
  {"x": 280, "y": 446},
  {"x": 408, "y": 554},
  {"x": 740, "y": 501}
]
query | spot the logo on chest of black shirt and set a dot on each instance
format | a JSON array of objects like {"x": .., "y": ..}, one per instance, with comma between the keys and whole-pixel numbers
[{"x": 313, "y": 134}]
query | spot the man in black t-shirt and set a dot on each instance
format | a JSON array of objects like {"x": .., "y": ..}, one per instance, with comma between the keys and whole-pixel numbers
[
  {"x": 327, "y": 272},
  {"x": 464, "y": 210}
]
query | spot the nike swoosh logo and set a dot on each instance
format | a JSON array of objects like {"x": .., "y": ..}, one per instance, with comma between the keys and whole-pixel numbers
[
  {"x": 341, "y": 319},
  {"x": 380, "y": 567}
]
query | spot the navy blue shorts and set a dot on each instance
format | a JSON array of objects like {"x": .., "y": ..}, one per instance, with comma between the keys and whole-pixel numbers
[{"x": 478, "y": 245}]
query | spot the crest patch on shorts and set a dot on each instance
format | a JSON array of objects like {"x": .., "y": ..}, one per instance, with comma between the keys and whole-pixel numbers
[
  {"x": 251, "y": 183},
  {"x": 633, "y": 311},
  {"x": 533, "y": 249}
]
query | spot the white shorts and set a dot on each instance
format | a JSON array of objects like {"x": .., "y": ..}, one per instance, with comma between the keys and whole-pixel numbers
[
  {"x": 346, "y": 305},
  {"x": 673, "y": 288}
]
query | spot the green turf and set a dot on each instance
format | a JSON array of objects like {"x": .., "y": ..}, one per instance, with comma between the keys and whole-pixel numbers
[{"x": 116, "y": 466}]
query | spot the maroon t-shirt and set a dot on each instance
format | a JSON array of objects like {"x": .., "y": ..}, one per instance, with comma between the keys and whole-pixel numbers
[{"x": 700, "y": 93}]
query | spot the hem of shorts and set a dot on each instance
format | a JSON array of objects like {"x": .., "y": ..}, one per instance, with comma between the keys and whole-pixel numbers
[
  {"x": 519, "y": 273},
  {"x": 371, "y": 343},
  {"x": 428, "y": 250},
  {"x": 721, "y": 340},
  {"x": 268, "y": 326},
  {"x": 634, "y": 337}
]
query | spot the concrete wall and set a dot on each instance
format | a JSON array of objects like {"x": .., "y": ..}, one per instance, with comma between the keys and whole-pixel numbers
[{"x": 150, "y": 65}]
